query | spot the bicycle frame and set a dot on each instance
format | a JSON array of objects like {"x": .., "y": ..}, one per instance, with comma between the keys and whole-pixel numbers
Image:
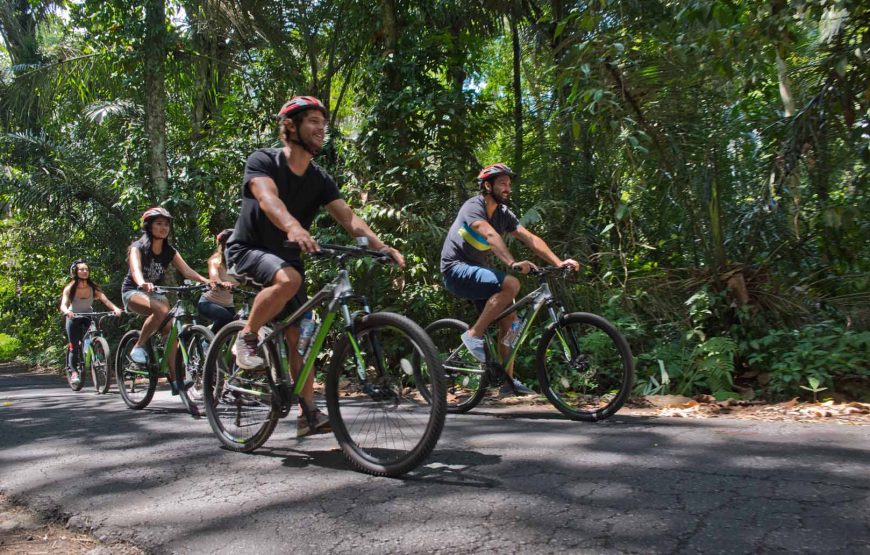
[
  {"x": 176, "y": 313},
  {"x": 538, "y": 299}
]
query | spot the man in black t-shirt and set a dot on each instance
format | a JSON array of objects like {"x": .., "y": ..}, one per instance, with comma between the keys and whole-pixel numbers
[
  {"x": 282, "y": 191},
  {"x": 477, "y": 230}
]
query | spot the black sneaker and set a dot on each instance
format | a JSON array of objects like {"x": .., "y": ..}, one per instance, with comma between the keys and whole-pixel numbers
[
  {"x": 321, "y": 424},
  {"x": 514, "y": 387}
]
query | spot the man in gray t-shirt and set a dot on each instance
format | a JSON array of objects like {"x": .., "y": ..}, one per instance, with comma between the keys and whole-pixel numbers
[{"x": 476, "y": 232}]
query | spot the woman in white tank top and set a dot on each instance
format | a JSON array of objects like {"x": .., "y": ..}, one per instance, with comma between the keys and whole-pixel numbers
[{"x": 78, "y": 296}]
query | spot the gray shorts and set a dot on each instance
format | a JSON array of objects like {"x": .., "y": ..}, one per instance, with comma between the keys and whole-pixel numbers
[
  {"x": 125, "y": 297},
  {"x": 260, "y": 265}
]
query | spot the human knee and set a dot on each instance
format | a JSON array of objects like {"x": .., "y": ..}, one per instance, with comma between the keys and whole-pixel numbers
[
  {"x": 511, "y": 285},
  {"x": 287, "y": 282}
]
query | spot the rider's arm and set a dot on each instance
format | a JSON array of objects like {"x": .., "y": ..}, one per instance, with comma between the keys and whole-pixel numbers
[
  {"x": 100, "y": 296},
  {"x": 265, "y": 191},
  {"x": 65, "y": 301},
  {"x": 356, "y": 227},
  {"x": 135, "y": 261},
  {"x": 499, "y": 248},
  {"x": 187, "y": 271},
  {"x": 537, "y": 245}
]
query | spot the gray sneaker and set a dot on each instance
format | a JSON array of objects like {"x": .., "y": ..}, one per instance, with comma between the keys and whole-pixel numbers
[
  {"x": 475, "y": 346},
  {"x": 246, "y": 351},
  {"x": 514, "y": 387}
]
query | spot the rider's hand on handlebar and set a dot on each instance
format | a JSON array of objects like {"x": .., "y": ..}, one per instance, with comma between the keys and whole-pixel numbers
[
  {"x": 394, "y": 254},
  {"x": 301, "y": 237},
  {"x": 117, "y": 311},
  {"x": 570, "y": 263},
  {"x": 523, "y": 266},
  {"x": 148, "y": 287},
  {"x": 70, "y": 314}
]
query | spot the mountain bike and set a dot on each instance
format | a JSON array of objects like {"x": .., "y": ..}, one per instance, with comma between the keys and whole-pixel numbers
[
  {"x": 94, "y": 359},
  {"x": 383, "y": 421},
  {"x": 138, "y": 382},
  {"x": 584, "y": 364}
]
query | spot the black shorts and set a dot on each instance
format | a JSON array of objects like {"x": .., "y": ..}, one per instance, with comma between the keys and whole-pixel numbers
[{"x": 259, "y": 265}]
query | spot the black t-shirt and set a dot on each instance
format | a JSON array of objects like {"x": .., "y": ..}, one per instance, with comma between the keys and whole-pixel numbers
[
  {"x": 153, "y": 265},
  {"x": 466, "y": 246},
  {"x": 302, "y": 195}
]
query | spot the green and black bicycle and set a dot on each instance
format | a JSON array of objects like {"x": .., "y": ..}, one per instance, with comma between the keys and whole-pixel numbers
[
  {"x": 94, "y": 359},
  {"x": 384, "y": 421},
  {"x": 138, "y": 382},
  {"x": 584, "y": 364}
]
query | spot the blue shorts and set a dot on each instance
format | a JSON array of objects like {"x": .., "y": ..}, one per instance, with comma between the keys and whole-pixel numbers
[{"x": 474, "y": 283}]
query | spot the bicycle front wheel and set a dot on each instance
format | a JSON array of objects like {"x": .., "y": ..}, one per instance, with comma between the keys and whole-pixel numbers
[
  {"x": 585, "y": 367},
  {"x": 385, "y": 393},
  {"x": 196, "y": 340},
  {"x": 465, "y": 375},
  {"x": 136, "y": 383},
  {"x": 238, "y": 402},
  {"x": 101, "y": 364}
]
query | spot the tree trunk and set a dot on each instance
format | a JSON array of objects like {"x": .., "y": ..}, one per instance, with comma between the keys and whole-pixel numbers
[
  {"x": 18, "y": 27},
  {"x": 155, "y": 97},
  {"x": 518, "y": 90}
]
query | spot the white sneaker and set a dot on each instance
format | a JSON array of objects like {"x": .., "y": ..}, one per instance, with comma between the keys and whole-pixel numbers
[
  {"x": 475, "y": 346},
  {"x": 139, "y": 355}
]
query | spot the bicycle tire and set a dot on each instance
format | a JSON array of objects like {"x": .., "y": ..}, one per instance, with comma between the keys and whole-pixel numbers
[
  {"x": 136, "y": 389},
  {"x": 465, "y": 376},
  {"x": 240, "y": 421},
  {"x": 100, "y": 365},
  {"x": 591, "y": 383},
  {"x": 196, "y": 340},
  {"x": 364, "y": 413}
]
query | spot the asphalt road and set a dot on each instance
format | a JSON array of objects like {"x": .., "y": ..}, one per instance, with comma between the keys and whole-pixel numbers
[{"x": 504, "y": 482}]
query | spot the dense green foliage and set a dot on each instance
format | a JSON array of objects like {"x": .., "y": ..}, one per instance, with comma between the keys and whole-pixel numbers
[{"x": 706, "y": 160}]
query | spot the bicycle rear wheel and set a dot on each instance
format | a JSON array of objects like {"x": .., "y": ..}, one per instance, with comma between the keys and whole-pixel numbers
[
  {"x": 239, "y": 403},
  {"x": 196, "y": 340},
  {"x": 465, "y": 376},
  {"x": 135, "y": 382},
  {"x": 585, "y": 367},
  {"x": 101, "y": 364},
  {"x": 386, "y": 420}
]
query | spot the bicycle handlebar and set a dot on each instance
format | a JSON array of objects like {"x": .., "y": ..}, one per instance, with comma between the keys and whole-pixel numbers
[
  {"x": 180, "y": 289},
  {"x": 543, "y": 271},
  {"x": 327, "y": 249},
  {"x": 94, "y": 314}
]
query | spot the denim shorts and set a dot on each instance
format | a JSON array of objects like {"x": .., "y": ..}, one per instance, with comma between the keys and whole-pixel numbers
[
  {"x": 474, "y": 283},
  {"x": 125, "y": 297}
]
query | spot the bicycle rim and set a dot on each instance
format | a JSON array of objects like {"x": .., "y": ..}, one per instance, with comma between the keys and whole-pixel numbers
[
  {"x": 100, "y": 365},
  {"x": 388, "y": 419},
  {"x": 464, "y": 375},
  {"x": 238, "y": 402},
  {"x": 136, "y": 383},
  {"x": 585, "y": 367}
]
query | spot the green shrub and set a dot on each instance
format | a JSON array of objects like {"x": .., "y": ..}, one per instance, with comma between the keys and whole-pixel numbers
[
  {"x": 10, "y": 347},
  {"x": 826, "y": 352}
]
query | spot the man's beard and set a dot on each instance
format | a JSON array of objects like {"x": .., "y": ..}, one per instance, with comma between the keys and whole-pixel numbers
[
  {"x": 500, "y": 199},
  {"x": 309, "y": 146}
]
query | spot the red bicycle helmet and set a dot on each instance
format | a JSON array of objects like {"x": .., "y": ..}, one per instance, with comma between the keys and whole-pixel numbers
[
  {"x": 300, "y": 104},
  {"x": 154, "y": 212},
  {"x": 494, "y": 170}
]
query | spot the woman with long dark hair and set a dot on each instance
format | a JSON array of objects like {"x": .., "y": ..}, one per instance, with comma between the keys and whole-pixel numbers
[
  {"x": 78, "y": 297},
  {"x": 216, "y": 304},
  {"x": 149, "y": 257}
]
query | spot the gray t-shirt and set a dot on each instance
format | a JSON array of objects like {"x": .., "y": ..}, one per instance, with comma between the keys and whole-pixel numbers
[{"x": 463, "y": 244}]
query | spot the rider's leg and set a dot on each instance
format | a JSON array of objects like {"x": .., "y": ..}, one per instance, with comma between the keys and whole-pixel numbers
[
  {"x": 296, "y": 361},
  {"x": 171, "y": 351},
  {"x": 155, "y": 311},
  {"x": 504, "y": 325},
  {"x": 74, "y": 333},
  {"x": 271, "y": 300},
  {"x": 496, "y": 303}
]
